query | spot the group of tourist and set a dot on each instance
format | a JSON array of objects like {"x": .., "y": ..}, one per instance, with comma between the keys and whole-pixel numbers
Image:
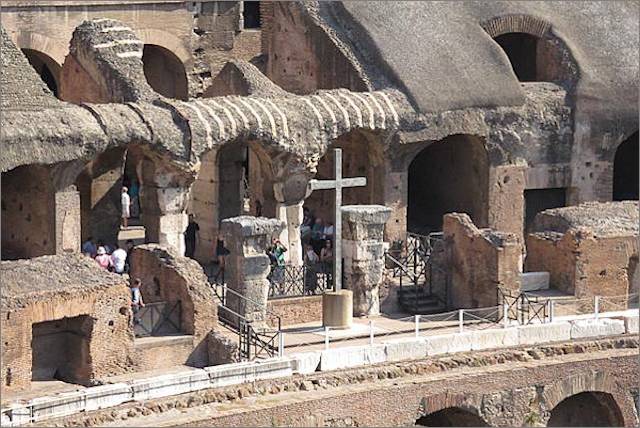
[{"x": 111, "y": 258}]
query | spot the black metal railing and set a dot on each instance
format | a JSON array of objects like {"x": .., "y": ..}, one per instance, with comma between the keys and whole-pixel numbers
[
  {"x": 523, "y": 308},
  {"x": 295, "y": 281},
  {"x": 158, "y": 319},
  {"x": 410, "y": 263}
]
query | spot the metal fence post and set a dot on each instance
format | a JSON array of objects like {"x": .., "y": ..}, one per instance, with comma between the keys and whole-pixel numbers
[
  {"x": 596, "y": 306},
  {"x": 552, "y": 309},
  {"x": 370, "y": 333},
  {"x": 417, "y": 325},
  {"x": 281, "y": 345},
  {"x": 326, "y": 338},
  {"x": 461, "y": 320},
  {"x": 505, "y": 315}
]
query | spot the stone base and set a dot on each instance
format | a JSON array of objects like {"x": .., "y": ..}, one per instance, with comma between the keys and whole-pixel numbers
[{"x": 337, "y": 309}]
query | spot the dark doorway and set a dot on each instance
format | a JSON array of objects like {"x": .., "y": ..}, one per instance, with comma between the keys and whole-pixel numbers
[
  {"x": 587, "y": 409},
  {"x": 447, "y": 176},
  {"x": 233, "y": 164},
  {"x": 165, "y": 72},
  {"x": 251, "y": 14},
  {"x": 625, "y": 170},
  {"x": 521, "y": 48},
  {"x": 451, "y": 417},
  {"x": 60, "y": 350},
  {"x": 46, "y": 67},
  {"x": 537, "y": 200}
]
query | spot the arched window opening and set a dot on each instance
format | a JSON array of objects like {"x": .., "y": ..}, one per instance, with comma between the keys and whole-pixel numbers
[
  {"x": 625, "y": 170},
  {"x": 46, "y": 67},
  {"x": 251, "y": 14},
  {"x": 165, "y": 72},
  {"x": 447, "y": 176},
  {"x": 451, "y": 417},
  {"x": 587, "y": 409},
  {"x": 521, "y": 48}
]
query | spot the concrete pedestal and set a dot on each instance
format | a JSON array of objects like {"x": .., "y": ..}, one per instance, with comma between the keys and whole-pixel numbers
[{"x": 337, "y": 309}]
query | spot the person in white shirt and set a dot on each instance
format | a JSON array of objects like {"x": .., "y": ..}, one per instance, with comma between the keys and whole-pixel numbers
[
  {"x": 125, "y": 200},
  {"x": 119, "y": 259}
]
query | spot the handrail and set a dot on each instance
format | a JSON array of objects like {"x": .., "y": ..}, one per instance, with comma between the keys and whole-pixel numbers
[{"x": 225, "y": 289}]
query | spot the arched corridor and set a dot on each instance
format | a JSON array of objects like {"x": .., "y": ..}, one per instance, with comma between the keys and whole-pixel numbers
[
  {"x": 450, "y": 175},
  {"x": 587, "y": 409},
  {"x": 165, "y": 72},
  {"x": 625, "y": 170},
  {"x": 46, "y": 67},
  {"x": 451, "y": 417}
]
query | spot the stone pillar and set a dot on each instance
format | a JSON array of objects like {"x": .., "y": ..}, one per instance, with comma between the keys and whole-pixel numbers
[
  {"x": 291, "y": 216},
  {"x": 290, "y": 190},
  {"x": 363, "y": 253},
  {"x": 247, "y": 265},
  {"x": 67, "y": 220},
  {"x": 173, "y": 220}
]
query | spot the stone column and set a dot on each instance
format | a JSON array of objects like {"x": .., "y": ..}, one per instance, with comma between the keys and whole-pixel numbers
[
  {"x": 290, "y": 191},
  {"x": 363, "y": 253},
  {"x": 247, "y": 265},
  {"x": 172, "y": 220},
  {"x": 67, "y": 217}
]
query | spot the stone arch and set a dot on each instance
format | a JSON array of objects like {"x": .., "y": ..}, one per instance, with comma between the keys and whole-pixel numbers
[
  {"x": 588, "y": 408},
  {"x": 54, "y": 49},
  {"x": 449, "y": 175},
  {"x": 625, "y": 170},
  {"x": 535, "y": 52},
  {"x": 168, "y": 41},
  {"x": 46, "y": 67},
  {"x": 165, "y": 72},
  {"x": 452, "y": 417}
]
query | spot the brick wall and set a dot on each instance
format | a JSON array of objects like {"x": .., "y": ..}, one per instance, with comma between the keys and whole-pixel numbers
[{"x": 296, "y": 310}]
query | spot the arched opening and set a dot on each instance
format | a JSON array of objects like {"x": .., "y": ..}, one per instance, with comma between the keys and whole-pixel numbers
[
  {"x": 234, "y": 180},
  {"x": 46, "y": 67},
  {"x": 165, "y": 72},
  {"x": 625, "y": 170},
  {"x": 587, "y": 409},
  {"x": 251, "y": 15},
  {"x": 28, "y": 213},
  {"x": 451, "y": 417},
  {"x": 521, "y": 48},
  {"x": 450, "y": 175}
]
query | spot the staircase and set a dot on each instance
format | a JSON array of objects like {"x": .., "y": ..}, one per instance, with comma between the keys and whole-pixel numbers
[
  {"x": 410, "y": 270},
  {"x": 418, "y": 300}
]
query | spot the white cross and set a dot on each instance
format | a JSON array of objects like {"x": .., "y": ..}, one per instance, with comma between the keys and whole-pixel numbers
[{"x": 338, "y": 184}]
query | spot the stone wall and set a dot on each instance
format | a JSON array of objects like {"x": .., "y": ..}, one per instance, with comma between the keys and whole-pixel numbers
[
  {"x": 107, "y": 338},
  {"x": 295, "y": 310},
  {"x": 479, "y": 262},
  {"x": 28, "y": 213},
  {"x": 303, "y": 58},
  {"x": 517, "y": 387},
  {"x": 588, "y": 249},
  {"x": 169, "y": 278}
]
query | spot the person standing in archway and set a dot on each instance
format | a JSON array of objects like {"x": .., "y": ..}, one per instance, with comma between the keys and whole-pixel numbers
[
  {"x": 190, "y": 237},
  {"x": 125, "y": 200}
]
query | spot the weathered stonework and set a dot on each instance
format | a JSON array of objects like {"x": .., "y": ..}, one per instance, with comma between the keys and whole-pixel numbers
[
  {"x": 589, "y": 250},
  {"x": 363, "y": 253},
  {"x": 247, "y": 266},
  {"x": 479, "y": 262}
]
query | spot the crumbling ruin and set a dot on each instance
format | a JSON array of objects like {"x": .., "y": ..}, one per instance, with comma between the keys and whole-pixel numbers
[{"x": 501, "y": 137}]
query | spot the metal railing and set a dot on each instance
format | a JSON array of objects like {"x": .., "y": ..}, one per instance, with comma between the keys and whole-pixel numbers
[
  {"x": 157, "y": 319},
  {"x": 411, "y": 264},
  {"x": 296, "y": 281},
  {"x": 525, "y": 309}
]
